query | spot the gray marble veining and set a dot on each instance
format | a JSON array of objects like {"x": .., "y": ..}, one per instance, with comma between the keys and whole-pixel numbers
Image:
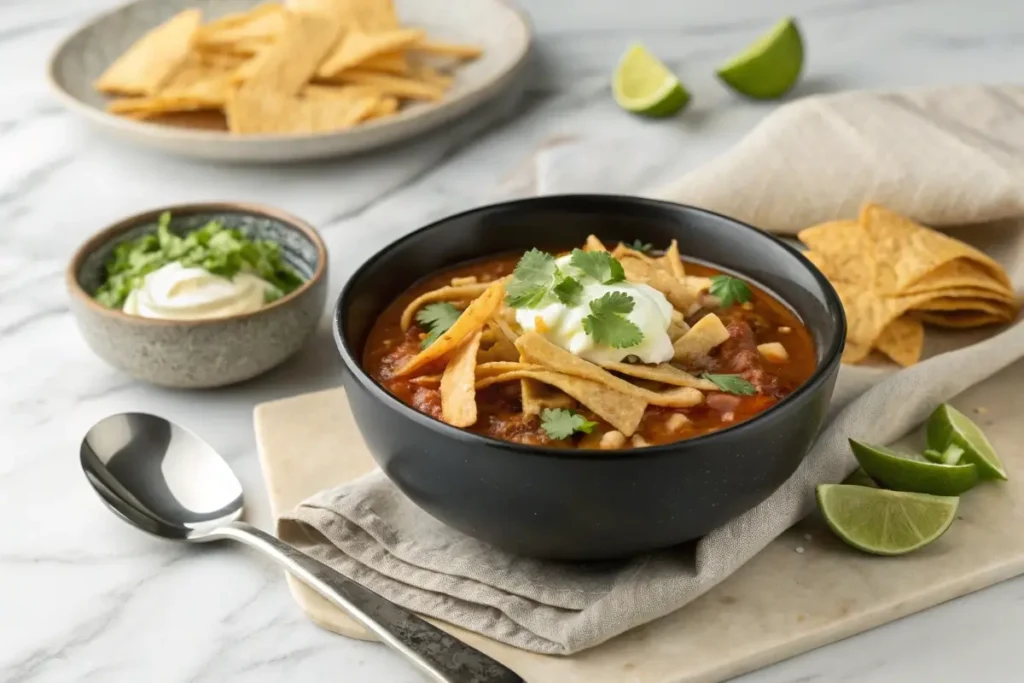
[{"x": 85, "y": 598}]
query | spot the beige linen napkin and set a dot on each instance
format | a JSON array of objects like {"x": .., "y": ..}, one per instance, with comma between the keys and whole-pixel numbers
[{"x": 946, "y": 156}]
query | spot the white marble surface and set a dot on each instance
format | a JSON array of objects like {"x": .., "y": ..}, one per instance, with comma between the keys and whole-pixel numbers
[{"x": 85, "y": 598}]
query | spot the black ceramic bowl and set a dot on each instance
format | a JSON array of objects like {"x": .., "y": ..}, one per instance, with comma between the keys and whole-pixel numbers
[{"x": 585, "y": 505}]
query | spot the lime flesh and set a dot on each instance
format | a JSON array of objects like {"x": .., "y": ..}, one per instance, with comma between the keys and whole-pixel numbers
[
  {"x": 884, "y": 522},
  {"x": 948, "y": 426},
  {"x": 895, "y": 471},
  {"x": 770, "y": 67},
  {"x": 645, "y": 86}
]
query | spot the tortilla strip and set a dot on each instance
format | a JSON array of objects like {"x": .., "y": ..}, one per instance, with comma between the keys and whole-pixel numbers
[
  {"x": 501, "y": 349},
  {"x": 902, "y": 340},
  {"x": 706, "y": 334},
  {"x": 447, "y": 293},
  {"x": 472, "y": 319},
  {"x": 622, "y": 251},
  {"x": 679, "y": 295},
  {"x": 594, "y": 244},
  {"x": 153, "y": 59},
  {"x": 913, "y": 251},
  {"x": 674, "y": 260},
  {"x": 664, "y": 373},
  {"x": 619, "y": 410},
  {"x": 494, "y": 368},
  {"x": 697, "y": 283},
  {"x": 543, "y": 397},
  {"x": 537, "y": 349},
  {"x": 458, "y": 384}
]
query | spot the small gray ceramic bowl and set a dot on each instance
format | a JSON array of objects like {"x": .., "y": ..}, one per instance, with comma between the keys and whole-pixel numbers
[{"x": 202, "y": 353}]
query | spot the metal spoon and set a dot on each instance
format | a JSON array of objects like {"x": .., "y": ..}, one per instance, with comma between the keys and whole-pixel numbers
[{"x": 165, "y": 480}]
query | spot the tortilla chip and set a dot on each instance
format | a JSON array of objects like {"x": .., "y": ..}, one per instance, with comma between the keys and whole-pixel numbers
[
  {"x": 429, "y": 74},
  {"x": 673, "y": 260},
  {"x": 848, "y": 248},
  {"x": 664, "y": 373},
  {"x": 153, "y": 59},
  {"x": 961, "y": 319},
  {"x": 356, "y": 47},
  {"x": 472, "y": 319},
  {"x": 912, "y": 251},
  {"x": 621, "y": 251},
  {"x": 537, "y": 349},
  {"x": 263, "y": 23},
  {"x": 972, "y": 293},
  {"x": 289, "y": 63},
  {"x": 389, "y": 85},
  {"x": 389, "y": 63},
  {"x": 276, "y": 113},
  {"x": 706, "y": 334},
  {"x": 460, "y": 293},
  {"x": 960, "y": 274},
  {"x": 902, "y": 340},
  {"x": 221, "y": 60},
  {"x": 196, "y": 86},
  {"x": 620, "y": 411},
  {"x": 1005, "y": 311},
  {"x": 433, "y": 47},
  {"x": 386, "y": 106},
  {"x": 594, "y": 244},
  {"x": 375, "y": 15},
  {"x": 697, "y": 283},
  {"x": 458, "y": 384}
]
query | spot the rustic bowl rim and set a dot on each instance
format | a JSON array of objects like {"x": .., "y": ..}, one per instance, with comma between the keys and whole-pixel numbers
[{"x": 115, "y": 230}]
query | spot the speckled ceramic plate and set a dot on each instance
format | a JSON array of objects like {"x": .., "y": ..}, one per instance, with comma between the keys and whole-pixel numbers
[{"x": 502, "y": 32}]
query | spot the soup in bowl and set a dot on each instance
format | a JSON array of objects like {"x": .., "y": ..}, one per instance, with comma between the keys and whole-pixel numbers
[{"x": 588, "y": 377}]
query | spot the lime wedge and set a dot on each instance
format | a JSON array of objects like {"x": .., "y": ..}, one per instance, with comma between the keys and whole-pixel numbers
[
  {"x": 947, "y": 426},
  {"x": 895, "y": 471},
  {"x": 933, "y": 455},
  {"x": 643, "y": 85},
  {"x": 885, "y": 522},
  {"x": 771, "y": 66}
]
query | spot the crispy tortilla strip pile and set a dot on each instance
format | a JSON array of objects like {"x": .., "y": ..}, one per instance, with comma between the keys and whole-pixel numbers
[
  {"x": 894, "y": 275},
  {"x": 485, "y": 347},
  {"x": 306, "y": 67}
]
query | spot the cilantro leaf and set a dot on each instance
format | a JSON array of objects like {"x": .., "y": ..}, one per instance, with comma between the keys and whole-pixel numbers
[
  {"x": 637, "y": 245},
  {"x": 560, "y": 423},
  {"x": 731, "y": 384},
  {"x": 220, "y": 250},
  {"x": 599, "y": 265},
  {"x": 531, "y": 280},
  {"x": 568, "y": 290},
  {"x": 436, "y": 318},
  {"x": 730, "y": 290},
  {"x": 608, "y": 324}
]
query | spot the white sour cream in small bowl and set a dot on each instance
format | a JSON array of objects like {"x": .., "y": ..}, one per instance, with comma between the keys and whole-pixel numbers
[{"x": 231, "y": 302}]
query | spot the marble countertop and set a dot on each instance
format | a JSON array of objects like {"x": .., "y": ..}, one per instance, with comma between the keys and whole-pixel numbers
[{"x": 85, "y": 598}]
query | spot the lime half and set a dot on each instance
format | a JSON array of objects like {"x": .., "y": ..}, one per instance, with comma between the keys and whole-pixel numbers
[
  {"x": 895, "y": 471},
  {"x": 643, "y": 85},
  {"x": 884, "y": 522},
  {"x": 771, "y": 66},
  {"x": 948, "y": 426}
]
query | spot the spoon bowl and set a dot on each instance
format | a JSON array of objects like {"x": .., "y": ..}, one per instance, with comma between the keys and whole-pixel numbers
[{"x": 164, "y": 479}]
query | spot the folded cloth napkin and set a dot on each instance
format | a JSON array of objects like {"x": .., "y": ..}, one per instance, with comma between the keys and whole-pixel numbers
[{"x": 944, "y": 156}]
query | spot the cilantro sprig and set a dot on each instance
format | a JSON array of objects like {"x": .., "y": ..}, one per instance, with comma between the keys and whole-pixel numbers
[
  {"x": 642, "y": 247},
  {"x": 730, "y": 290},
  {"x": 560, "y": 423},
  {"x": 608, "y": 324},
  {"x": 599, "y": 265},
  {"x": 731, "y": 384},
  {"x": 531, "y": 280},
  {"x": 436, "y": 318},
  {"x": 218, "y": 249}
]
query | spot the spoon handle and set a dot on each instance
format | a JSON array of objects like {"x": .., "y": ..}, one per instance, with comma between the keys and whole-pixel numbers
[{"x": 441, "y": 657}]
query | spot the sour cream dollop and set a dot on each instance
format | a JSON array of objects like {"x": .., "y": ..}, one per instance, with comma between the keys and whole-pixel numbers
[
  {"x": 563, "y": 325},
  {"x": 175, "y": 292}
]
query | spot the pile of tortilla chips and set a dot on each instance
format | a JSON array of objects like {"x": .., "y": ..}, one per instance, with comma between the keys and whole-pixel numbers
[
  {"x": 485, "y": 346},
  {"x": 895, "y": 276},
  {"x": 313, "y": 66}
]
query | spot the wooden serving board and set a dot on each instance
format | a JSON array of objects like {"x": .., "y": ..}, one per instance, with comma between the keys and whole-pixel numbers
[{"x": 804, "y": 590}]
